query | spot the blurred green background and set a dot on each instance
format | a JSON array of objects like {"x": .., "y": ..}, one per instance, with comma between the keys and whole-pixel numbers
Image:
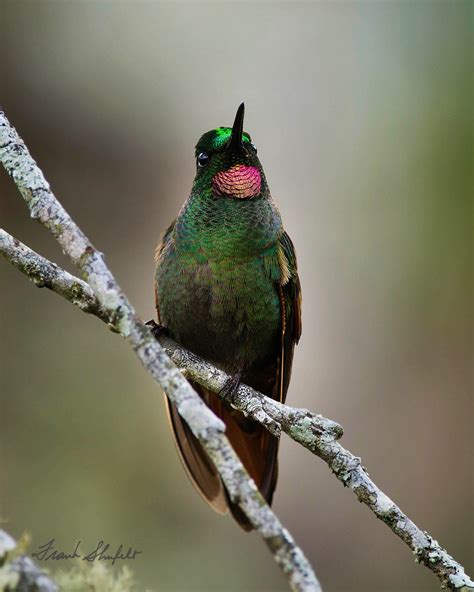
[{"x": 362, "y": 114}]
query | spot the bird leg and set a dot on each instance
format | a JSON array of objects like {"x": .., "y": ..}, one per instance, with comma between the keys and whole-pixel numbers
[
  {"x": 157, "y": 330},
  {"x": 230, "y": 388},
  {"x": 231, "y": 385}
]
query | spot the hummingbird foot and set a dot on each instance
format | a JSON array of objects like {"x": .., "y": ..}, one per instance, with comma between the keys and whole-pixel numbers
[
  {"x": 157, "y": 330},
  {"x": 230, "y": 388}
]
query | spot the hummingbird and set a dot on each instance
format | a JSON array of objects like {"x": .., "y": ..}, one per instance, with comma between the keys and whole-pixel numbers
[{"x": 227, "y": 288}]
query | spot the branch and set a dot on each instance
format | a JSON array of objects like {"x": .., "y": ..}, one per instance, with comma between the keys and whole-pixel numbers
[
  {"x": 21, "y": 574},
  {"x": 301, "y": 425},
  {"x": 207, "y": 428},
  {"x": 319, "y": 436},
  {"x": 46, "y": 274},
  {"x": 312, "y": 431}
]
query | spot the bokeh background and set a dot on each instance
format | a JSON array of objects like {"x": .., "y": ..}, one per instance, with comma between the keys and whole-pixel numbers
[{"x": 362, "y": 114}]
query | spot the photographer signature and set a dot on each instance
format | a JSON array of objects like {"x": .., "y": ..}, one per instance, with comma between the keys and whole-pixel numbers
[{"x": 102, "y": 552}]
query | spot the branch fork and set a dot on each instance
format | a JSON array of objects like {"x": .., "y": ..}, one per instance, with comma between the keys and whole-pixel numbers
[{"x": 170, "y": 364}]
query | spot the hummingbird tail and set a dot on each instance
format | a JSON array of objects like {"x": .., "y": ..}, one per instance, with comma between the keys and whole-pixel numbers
[{"x": 255, "y": 446}]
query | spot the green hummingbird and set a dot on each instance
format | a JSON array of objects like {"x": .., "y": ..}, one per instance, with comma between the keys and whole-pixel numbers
[{"x": 227, "y": 288}]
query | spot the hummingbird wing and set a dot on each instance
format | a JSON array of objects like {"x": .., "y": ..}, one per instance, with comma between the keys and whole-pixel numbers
[
  {"x": 165, "y": 237},
  {"x": 289, "y": 289}
]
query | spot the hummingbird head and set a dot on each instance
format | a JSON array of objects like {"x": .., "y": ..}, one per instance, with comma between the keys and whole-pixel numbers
[{"x": 227, "y": 161}]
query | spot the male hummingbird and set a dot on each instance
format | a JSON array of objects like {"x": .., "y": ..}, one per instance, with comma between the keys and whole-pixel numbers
[{"x": 227, "y": 288}]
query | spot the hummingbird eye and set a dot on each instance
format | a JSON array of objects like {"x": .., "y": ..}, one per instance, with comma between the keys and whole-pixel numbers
[
  {"x": 202, "y": 159},
  {"x": 254, "y": 147}
]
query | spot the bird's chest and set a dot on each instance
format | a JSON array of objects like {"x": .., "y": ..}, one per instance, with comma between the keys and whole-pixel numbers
[{"x": 226, "y": 310}]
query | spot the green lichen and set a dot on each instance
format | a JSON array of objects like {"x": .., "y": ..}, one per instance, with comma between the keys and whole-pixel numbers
[
  {"x": 95, "y": 578},
  {"x": 8, "y": 579},
  {"x": 302, "y": 432}
]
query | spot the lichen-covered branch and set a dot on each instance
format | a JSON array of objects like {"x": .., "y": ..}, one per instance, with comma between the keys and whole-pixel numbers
[
  {"x": 320, "y": 435},
  {"x": 46, "y": 274},
  {"x": 301, "y": 425},
  {"x": 21, "y": 574},
  {"x": 313, "y": 431},
  {"x": 208, "y": 428}
]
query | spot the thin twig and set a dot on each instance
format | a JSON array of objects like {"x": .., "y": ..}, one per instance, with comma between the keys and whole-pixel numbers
[
  {"x": 208, "y": 428},
  {"x": 46, "y": 274}
]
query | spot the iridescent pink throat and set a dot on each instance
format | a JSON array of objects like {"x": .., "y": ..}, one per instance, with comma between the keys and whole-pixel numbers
[{"x": 239, "y": 181}]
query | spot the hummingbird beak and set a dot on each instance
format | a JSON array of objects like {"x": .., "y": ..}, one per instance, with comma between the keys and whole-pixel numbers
[{"x": 237, "y": 129}]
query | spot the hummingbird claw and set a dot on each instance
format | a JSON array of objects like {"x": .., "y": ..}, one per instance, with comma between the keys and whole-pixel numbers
[
  {"x": 156, "y": 329},
  {"x": 230, "y": 388}
]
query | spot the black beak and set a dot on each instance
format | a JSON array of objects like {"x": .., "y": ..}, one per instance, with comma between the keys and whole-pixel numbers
[{"x": 237, "y": 129}]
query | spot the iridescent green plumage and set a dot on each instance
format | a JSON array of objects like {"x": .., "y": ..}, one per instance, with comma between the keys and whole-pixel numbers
[{"x": 227, "y": 289}]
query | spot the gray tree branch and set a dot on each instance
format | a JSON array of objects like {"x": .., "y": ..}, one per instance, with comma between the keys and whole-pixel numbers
[
  {"x": 46, "y": 274},
  {"x": 21, "y": 574},
  {"x": 314, "y": 432},
  {"x": 208, "y": 428}
]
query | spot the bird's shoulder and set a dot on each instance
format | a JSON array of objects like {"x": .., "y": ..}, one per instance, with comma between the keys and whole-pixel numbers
[{"x": 164, "y": 242}]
